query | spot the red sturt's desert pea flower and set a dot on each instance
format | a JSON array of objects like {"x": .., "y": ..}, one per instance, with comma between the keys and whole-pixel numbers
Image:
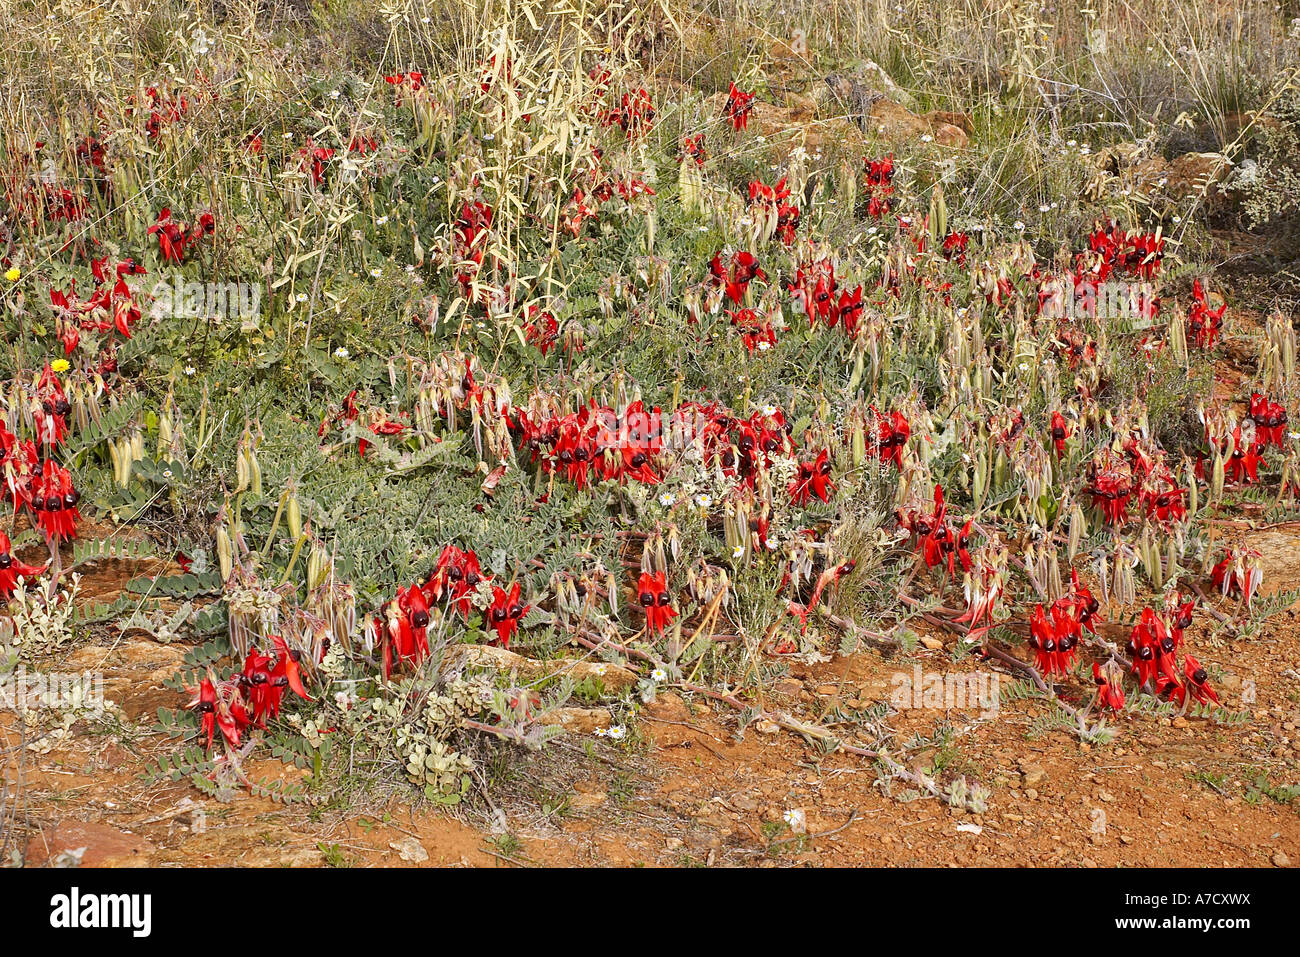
[
  {"x": 1270, "y": 420},
  {"x": 455, "y": 578},
  {"x": 55, "y": 502},
  {"x": 891, "y": 435},
  {"x": 737, "y": 274},
  {"x": 1239, "y": 574},
  {"x": 255, "y": 682},
  {"x": 1110, "y": 692},
  {"x": 738, "y": 107},
  {"x": 50, "y": 410},
  {"x": 505, "y": 611},
  {"x": 1198, "y": 682},
  {"x": 813, "y": 478},
  {"x": 404, "y": 632},
  {"x": 1111, "y": 487},
  {"x": 220, "y": 705},
  {"x": 880, "y": 185},
  {"x": 693, "y": 146},
  {"x": 11, "y": 569},
  {"x": 1244, "y": 462},
  {"x": 1203, "y": 322},
  {"x": 652, "y": 596},
  {"x": 1060, "y": 432},
  {"x": 954, "y": 247},
  {"x": 1054, "y": 637}
]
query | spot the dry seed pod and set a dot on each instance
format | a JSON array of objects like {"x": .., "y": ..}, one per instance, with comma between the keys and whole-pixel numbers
[
  {"x": 225, "y": 552},
  {"x": 254, "y": 472},
  {"x": 1078, "y": 529},
  {"x": 241, "y": 471},
  {"x": 293, "y": 515}
]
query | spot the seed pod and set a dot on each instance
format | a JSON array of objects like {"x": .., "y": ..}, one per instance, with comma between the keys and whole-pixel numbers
[
  {"x": 938, "y": 217},
  {"x": 225, "y": 552},
  {"x": 1078, "y": 528},
  {"x": 318, "y": 566},
  {"x": 164, "y": 434},
  {"x": 1217, "y": 477},
  {"x": 254, "y": 472},
  {"x": 127, "y": 459},
  {"x": 293, "y": 515},
  {"x": 241, "y": 471},
  {"x": 1194, "y": 492}
]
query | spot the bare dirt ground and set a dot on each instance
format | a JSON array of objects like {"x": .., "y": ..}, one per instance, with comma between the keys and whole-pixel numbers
[{"x": 1166, "y": 791}]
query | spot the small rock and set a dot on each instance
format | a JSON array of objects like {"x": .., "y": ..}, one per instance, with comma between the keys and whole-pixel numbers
[
  {"x": 1280, "y": 859},
  {"x": 1033, "y": 774},
  {"x": 578, "y": 720},
  {"x": 410, "y": 849},
  {"x": 931, "y": 642}
]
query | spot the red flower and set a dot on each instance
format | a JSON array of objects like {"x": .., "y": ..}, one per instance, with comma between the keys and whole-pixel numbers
[
  {"x": 1244, "y": 462},
  {"x": 1086, "y": 607},
  {"x": 456, "y": 577},
  {"x": 289, "y": 666},
  {"x": 954, "y": 247},
  {"x": 1204, "y": 322},
  {"x": 171, "y": 236},
  {"x": 258, "y": 686},
  {"x": 55, "y": 502},
  {"x": 738, "y": 107},
  {"x": 11, "y": 569},
  {"x": 1161, "y": 498},
  {"x": 1060, "y": 432},
  {"x": 693, "y": 146},
  {"x": 813, "y": 478},
  {"x": 848, "y": 311},
  {"x": 50, "y": 417},
  {"x": 880, "y": 185},
  {"x": 505, "y": 611},
  {"x": 755, "y": 332},
  {"x": 1053, "y": 639},
  {"x": 20, "y": 463},
  {"x": 541, "y": 330},
  {"x": 1152, "y": 650},
  {"x": 219, "y": 705},
  {"x": 736, "y": 275},
  {"x": 652, "y": 595},
  {"x": 1198, "y": 681},
  {"x": 1239, "y": 573},
  {"x": 1111, "y": 487},
  {"x": 1270, "y": 420},
  {"x": 892, "y": 433},
  {"x": 1110, "y": 692}
]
